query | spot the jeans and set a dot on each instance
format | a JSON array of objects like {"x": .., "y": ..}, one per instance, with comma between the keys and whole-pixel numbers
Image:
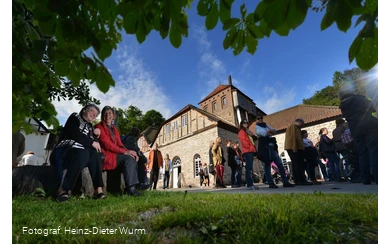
[
  {"x": 248, "y": 157},
  {"x": 166, "y": 179},
  {"x": 278, "y": 161},
  {"x": 233, "y": 175},
  {"x": 237, "y": 176},
  {"x": 368, "y": 157},
  {"x": 333, "y": 161}
]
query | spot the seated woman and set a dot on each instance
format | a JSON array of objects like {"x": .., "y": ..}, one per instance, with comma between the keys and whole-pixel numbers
[
  {"x": 117, "y": 156},
  {"x": 130, "y": 142},
  {"x": 77, "y": 149}
]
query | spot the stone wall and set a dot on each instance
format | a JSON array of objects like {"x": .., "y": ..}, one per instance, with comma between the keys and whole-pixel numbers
[{"x": 313, "y": 132}]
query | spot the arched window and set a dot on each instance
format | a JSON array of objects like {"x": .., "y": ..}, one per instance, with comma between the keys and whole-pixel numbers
[{"x": 197, "y": 164}]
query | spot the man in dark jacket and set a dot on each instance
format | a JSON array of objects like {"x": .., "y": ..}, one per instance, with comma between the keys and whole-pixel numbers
[{"x": 357, "y": 110}]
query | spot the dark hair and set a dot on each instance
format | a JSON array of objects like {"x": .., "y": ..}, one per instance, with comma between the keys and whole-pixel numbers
[
  {"x": 135, "y": 132},
  {"x": 339, "y": 121},
  {"x": 322, "y": 130},
  {"x": 304, "y": 131},
  {"x": 300, "y": 120},
  {"x": 259, "y": 117},
  {"x": 105, "y": 109},
  {"x": 228, "y": 141},
  {"x": 242, "y": 123}
]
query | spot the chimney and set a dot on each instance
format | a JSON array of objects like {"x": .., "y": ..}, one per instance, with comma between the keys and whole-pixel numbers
[{"x": 230, "y": 80}]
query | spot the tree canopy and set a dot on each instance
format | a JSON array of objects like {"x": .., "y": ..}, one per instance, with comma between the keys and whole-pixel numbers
[
  {"x": 328, "y": 96},
  {"x": 50, "y": 38}
]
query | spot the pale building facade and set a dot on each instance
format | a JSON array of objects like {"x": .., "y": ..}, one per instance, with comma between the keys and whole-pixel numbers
[{"x": 186, "y": 135}]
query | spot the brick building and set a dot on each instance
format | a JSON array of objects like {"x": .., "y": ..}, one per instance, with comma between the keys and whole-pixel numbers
[{"x": 187, "y": 134}]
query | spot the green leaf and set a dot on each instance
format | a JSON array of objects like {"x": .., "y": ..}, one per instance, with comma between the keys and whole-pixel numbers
[
  {"x": 50, "y": 51},
  {"x": 230, "y": 23},
  {"x": 174, "y": 37},
  {"x": 276, "y": 13},
  {"x": 371, "y": 5},
  {"x": 105, "y": 50},
  {"x": 125, "y": 8},
  {"x": 259, "y": 11},
  {"x": 203, "y": 7},
  {"x": 367, "y": 56},
  {"x": 141, "y": 30},
  {"x": 183, "y": 25},
  {"x": 74, "y": 75},
  {"x": 61, "y": 67},
  {"x": 41, "y": 12},
  {"x": 254, "y": 30},
  {"x": 296, "y": 13},
  {"x": 330, "y": 14},
  {"x": 283, "y": 30},
  {"x": 265, "y": 29},
  {"x": 47, "y": 28},
  {"x": 230, "y": 38},
  {"x": 212, "y": 17},
  {"x": 343, "y": 15},
  {"x": 174, "y": 11},
  {"x": 102, "y": 80},
  {"x": 363, "y": 17},
  {"x": 238, "y": 44},
  {"x": 225, "y": 7},
  {"x": 37, "y": 50},
  {"x": 130, "y": 22},
  {"x": 251, "y": 44},
  {"x": 354, "y": 48},
  {"x": 164, "y": 29}
]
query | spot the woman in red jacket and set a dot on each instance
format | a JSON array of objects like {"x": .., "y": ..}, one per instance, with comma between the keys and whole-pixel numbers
[
  {"x": 248, "y": 150},
  {"x": 116, "y": 154}
]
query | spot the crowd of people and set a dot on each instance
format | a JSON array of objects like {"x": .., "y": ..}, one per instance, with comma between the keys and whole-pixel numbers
[{"x": 101, "y": 148}]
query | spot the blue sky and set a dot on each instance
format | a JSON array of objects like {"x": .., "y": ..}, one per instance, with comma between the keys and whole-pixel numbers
[{"x": 282, "y": 72}]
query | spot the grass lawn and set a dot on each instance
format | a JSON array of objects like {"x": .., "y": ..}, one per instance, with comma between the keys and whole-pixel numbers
[{"x": 181, "y": 217}]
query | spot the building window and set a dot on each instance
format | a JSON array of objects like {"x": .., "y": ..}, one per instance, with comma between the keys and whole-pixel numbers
[
  {"x": 224, "y": 102},
  {"x": 197, "y": 164},
  {"x": 205, "y": 108},
  {"x": 167, "y": 129},
  {"x": 175, "y": 125},
  {"x": 214, "y": 106},
  {"x": 184, "y": 120}
]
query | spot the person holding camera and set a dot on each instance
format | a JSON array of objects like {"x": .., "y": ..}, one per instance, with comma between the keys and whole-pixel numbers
[
  {"x": 117, "y": 156},
  {"x": 77, "y": 149},
  {"x": 267, "y": 152}
]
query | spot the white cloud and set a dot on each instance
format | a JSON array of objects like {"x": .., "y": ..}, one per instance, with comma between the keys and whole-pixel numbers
[
  {"x": 275, "y": 98},
  {"x": 212, "y": 71},
  {"x": 135, "y": 85},
  {"x": 312, "y": 89}
]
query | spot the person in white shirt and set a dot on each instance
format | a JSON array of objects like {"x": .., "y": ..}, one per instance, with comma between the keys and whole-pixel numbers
[{"x": 29, "y": 159}]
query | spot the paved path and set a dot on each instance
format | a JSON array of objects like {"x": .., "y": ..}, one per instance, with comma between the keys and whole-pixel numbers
[{"x": 325, "y": 187}]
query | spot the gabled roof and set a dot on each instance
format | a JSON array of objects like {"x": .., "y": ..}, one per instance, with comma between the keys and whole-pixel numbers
[
  {"x": 150, "y": 134},
  {"x": 38, "y": 125},
  {"x": 210, "y": 115},
  {"x": 311, "y": 114},
  {"x": 223, "y": 87},
  {"x": 216, "y": 91}
]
